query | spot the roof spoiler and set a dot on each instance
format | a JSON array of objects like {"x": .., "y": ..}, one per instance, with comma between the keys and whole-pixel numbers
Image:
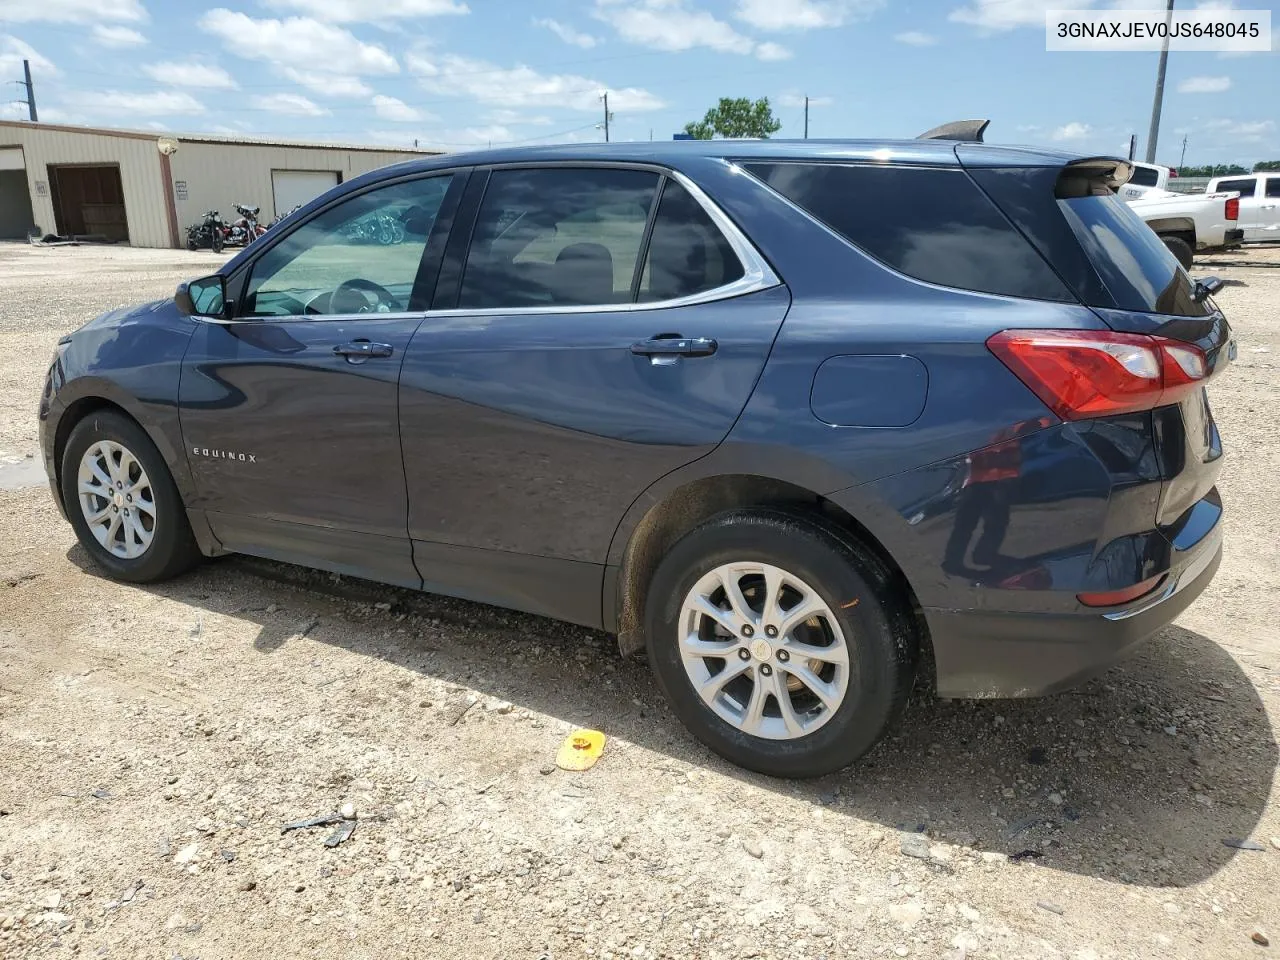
[
  {"x": 970, "y": 131},
  {"x": 1091, "y": 175}
]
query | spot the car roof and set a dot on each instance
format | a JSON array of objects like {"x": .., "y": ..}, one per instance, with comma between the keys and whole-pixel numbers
[{"x": 672, "y": 152}]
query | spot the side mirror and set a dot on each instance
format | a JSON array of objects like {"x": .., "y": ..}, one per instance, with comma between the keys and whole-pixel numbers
[{"x": 206, "y": 297}]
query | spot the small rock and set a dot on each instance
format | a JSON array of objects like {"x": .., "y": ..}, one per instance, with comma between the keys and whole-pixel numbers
[
  {"x": 969, "y": 913},
  {"x": 348, "y": 811},
  {"x": 915, "y": 845},
  {"x": 1275, "y": 842},
  {"x": 1051, "y": 907},
  {"x": 1171, "y": 730},
  {"x": 51, "y": 901},
  {"x": 457, "y": 886},
  {"x": 272, "y": 608},
  {"x": 1055, "y": 799},
  {"x": 906, "y": 914},
  {"x": 617, "y": 843},
  {"x": 724, "y": 833},
  {"x": 900, "y": 951},
  {"x": 547, "y": 769},
  {"x": 753, "y": 849},
  {"x": 228, "y": 855},
  {"x": 244, "y": 886},
  {"x": 299, "y": 887},
  {"x": 1240, "y": 844},
  {"x": 186, "y": 854},
  {"x": 1007, "y": 793},
  {"x": 1259, "y": 937}
]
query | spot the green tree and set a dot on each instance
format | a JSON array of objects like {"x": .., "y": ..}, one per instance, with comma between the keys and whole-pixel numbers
[
  {"x": 736, "y": 117},
  {"x": 1217, "y": 170},
  {"x": 1266, "y": 165}
]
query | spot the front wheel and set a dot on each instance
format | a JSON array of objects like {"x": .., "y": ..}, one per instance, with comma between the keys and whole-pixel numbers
[
  {"x": 122, "y": 502},
  {"x": 782, "y": 645},
  {"x": 217, "y": 241}
]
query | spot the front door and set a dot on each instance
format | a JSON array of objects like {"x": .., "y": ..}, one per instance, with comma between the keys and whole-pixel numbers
[
  {"x": 1269, "y": 209},
  {"x": 289, "y": 409},
  {"x": 604, "y": 332}
]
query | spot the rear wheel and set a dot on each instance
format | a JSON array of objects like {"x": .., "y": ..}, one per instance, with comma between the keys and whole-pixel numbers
[
  {"x": 122, "y": 501},
  {"x": 782, "y": 645},
  {"x": 1180, "y": 249}
]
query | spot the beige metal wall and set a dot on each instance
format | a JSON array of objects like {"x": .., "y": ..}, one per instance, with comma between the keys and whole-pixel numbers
[
  {"x": 220, "y": 174},
  {"x": 137, "y": 157}
]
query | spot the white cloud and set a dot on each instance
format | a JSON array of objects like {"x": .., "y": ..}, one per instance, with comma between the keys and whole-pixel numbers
[
  {"x": 802, "y": 14},
  {"x": 1072, "y": 131},
  {"x": 669, "y": 25},
  {"x": 520, "y": 86},
  {"x": 772, "y": 51},
  {"x": 297, "y": 41},
  {"x": 1205, "y": 85},
  {"x": 508, "y": 117},
  {"x": 117, "y": 36},
  {"x": 327, "y": 84},
  {"x": 178, "y": 74},
  {"x": 914, "y": 38},
  {"x": 568, "y": 34},
  {"x": 358, "y": 11},
  {"x": 1253, "y": 131},
  {"x": 71, "y": 11},
  {"x": 158, "y": 103},
  {"x": 797, "y": 100},
  {"x": 12, "y": 52},
  {"x": 1008, "y": 14},
  {"x": 394, "y": 109},
  {"x": 292, "y": 104}
]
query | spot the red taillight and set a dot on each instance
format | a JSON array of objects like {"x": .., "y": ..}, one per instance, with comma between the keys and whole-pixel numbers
[
  {"x": 1113, "y": 598},
  {"x": 1080, "y": 374},
  {"x": 1233, "y": 208}
]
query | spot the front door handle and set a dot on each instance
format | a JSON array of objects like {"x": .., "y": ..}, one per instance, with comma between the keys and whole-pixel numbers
[
  {"x": 675, "y": 347},
  {"x": 358, "y": 350}
]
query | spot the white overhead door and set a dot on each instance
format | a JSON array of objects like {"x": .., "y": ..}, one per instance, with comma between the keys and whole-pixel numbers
[{"x": 290, "y": 188}]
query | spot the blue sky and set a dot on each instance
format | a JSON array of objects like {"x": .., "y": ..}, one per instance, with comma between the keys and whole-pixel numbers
[{"x": 458, "y": 73}]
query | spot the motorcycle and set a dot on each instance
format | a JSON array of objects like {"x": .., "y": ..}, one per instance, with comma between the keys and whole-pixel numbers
[
  {"x": 379, "y": 228},
  {"x": 210, "y": 232},
  {"x": 246, "y": 229},
  {"x": 287, "y": 213}
]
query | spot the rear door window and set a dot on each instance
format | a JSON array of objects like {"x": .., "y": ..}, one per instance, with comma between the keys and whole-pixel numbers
[
  {"x": 556, "y": 237},
  {"x": 1273, "y": 187},
  {"x": 932, "y": 224},
  {"x": 1245, "y": 188}
]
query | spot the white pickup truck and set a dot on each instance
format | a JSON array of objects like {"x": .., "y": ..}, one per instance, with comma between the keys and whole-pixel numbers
[
  {"x": 1259, "y": 203},
  {"x": 1187, "y": 222}
]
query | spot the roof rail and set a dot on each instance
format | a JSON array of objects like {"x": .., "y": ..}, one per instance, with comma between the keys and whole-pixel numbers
[{"x": 968, "y": 130}]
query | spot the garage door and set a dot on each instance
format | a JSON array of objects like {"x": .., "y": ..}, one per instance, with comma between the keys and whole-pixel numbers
[{"x": 290, "y": 188}]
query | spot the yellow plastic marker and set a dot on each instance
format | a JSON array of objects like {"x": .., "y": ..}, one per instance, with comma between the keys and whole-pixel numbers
[{"x": 580, "y": 750}]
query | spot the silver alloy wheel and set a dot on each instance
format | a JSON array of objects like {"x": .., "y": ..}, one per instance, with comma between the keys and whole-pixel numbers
[
  {"x": 116, "y": 499},
  {"x": 763, "y": 650}
]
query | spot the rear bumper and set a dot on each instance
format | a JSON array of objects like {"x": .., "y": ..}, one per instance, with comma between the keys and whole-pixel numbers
[
  {"x": 980, "y": 654},
  {"x": 1233, "y": 238}
]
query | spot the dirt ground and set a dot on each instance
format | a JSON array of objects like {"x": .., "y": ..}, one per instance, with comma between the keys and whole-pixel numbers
[{"x": 153, "y": 742}]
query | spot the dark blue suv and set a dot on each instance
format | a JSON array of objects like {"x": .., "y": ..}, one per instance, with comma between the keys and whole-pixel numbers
[{"x": 806, "y": 421}]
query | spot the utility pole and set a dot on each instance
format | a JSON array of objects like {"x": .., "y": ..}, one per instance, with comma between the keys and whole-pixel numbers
[
  {"x": 1154, "y": 135},
  {"x": 31, "y": 91},
  {"x": 806, "y": 118},
  {"x": 605, "y": 97},
  {"x": 1183, "y": 159},
  {"x": 1133, "y": 145}
]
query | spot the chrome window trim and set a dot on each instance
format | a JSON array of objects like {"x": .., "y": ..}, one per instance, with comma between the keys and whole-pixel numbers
[{"x": 757, "y": 274}]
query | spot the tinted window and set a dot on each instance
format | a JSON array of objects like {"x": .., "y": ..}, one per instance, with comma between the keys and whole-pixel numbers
[
  {"x": 1144, "y": 177},
  {"x": 557, "y": 237},
  {"x": 1273, "y": 186},
  {"x": 687, "y": 252},
  {"x": 934, "y": 225},
  {"x": 1243, "y": 187},
  {"x": 1134, "y": 263},
  {"x": 361, "y": 256}
]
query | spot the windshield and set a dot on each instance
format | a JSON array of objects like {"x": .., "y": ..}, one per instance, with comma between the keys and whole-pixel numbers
[{"x": 1132, "y": 261}]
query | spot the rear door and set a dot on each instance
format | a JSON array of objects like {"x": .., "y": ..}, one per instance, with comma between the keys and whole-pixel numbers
[
  {"x": 1250, "y": 204},
  {"x": 606, "y": 326},
  {"x": 1269, "y": 209},
  {"x": 289, "y": 409}
]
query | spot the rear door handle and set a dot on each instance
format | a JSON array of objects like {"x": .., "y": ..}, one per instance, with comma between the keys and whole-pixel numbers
[
  {"x": 358, "y": 350},
  {"x": 675, "y": 347}
]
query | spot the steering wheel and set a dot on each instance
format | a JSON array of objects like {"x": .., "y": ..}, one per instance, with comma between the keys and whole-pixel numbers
[{"x": 350, "y": 297}]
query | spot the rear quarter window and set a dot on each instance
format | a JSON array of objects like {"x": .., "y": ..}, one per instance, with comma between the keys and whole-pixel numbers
[
  {"x": 932, "y": 224},
  {"x": 1245, "y": 188},
  {"x": 1144, "y": 177}
]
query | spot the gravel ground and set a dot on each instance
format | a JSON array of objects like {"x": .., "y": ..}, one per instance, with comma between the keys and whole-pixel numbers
[{"x": 155, "y": 740}]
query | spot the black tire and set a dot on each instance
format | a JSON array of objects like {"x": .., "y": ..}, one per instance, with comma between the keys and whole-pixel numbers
[
  {"x": 192, "y": 245},
  {"x": 1181, "y": 250},
  {"x": 173, "y": 548},
  {"x": 217, "y": 242},
  {"x": 860, "y": 592}
]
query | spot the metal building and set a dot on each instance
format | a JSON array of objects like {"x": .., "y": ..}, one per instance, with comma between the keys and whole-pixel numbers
[{"x": 144, "y": 188}]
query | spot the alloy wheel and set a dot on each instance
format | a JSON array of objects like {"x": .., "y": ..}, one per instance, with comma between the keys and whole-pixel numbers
[
  {"x": 763, "y": 650},
  {"x": 116, "y": 499}
]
